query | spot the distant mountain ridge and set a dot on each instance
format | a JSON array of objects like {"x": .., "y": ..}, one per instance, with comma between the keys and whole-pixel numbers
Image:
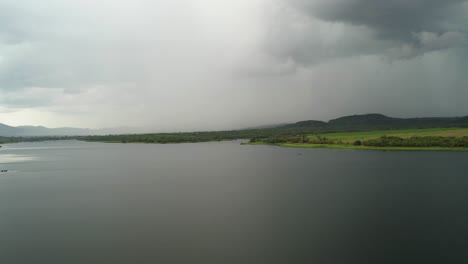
[
  {"x": 379, "y": 121},
  {"x": 31, "y": 131},
  {"x": 346, "y": 123}
]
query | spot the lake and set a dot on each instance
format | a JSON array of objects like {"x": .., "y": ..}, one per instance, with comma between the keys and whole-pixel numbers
[{"x": 75, "y": 202}]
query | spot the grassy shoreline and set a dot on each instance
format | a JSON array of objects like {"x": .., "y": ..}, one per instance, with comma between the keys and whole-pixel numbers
[
  {"x": 428, "y": 139},
  {"x": 352, "y": 147},
  {"x": 362, "y": 140}
]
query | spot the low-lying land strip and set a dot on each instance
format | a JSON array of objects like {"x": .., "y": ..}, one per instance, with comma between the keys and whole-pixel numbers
[
  {"x": 371, "y": 131},
  {"x": 413, "y": 139}
]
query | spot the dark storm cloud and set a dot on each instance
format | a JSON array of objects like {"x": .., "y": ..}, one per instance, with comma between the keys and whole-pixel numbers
[
  {"x": 394, "y": 19},
  {"x": 399, "y": 29},
  {"x": 399, "y": 57}
]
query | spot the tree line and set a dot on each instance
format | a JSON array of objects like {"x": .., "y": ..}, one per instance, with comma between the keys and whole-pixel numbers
[
  {"x": 417, "y": 141},
  {"x": 383, "y": 141}
]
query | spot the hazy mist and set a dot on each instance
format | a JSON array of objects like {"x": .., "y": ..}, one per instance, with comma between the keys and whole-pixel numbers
[{"x": 206, "y": 65}]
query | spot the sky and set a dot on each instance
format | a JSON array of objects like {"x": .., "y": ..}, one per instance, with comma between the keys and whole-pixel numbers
[{"x": 185, "y": 65}]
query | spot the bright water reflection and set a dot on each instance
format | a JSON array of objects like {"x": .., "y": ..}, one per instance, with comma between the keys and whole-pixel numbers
[{"x": 12, "y": 158}]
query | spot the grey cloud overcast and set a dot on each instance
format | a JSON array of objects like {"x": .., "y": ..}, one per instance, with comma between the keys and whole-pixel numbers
[{"x": 205, "y": 64}]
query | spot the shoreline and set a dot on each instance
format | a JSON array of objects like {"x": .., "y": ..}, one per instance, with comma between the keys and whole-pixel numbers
[{"x": 352, "y": 147}]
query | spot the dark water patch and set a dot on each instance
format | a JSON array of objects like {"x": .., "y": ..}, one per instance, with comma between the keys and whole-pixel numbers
[{"x": 225, "y": 203}]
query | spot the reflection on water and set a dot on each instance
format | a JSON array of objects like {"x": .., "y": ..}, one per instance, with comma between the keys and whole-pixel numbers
[
  {"x": 12, "y": 158},
  {"x": 39, "y": 148}
]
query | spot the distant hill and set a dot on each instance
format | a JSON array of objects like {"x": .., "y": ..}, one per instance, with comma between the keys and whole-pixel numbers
[
  {"x": 31, "y": 131},
  {"x": 343, "y": 124},
  {"x": 363, "y": 120},
  {"x": 308, "y": 123},
  {"x": 266, "y": 126},
  {"x": 375, "y": 122}
]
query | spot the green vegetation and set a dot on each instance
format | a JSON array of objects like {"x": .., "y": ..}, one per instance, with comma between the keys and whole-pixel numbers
[
  {"x": 8, "y": 140},
  {"x": 188, "y": 137},
  {"x": 300, "y": 132},
  {"x": 372, "y": 131},
  {"x": 335, "y": 146},
  {"x": 368, "y": 135},
  {"x": 414, "y": 139},
  {"x": 422, "y": 142}
]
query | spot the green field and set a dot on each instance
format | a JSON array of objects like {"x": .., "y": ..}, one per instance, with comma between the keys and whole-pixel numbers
[
  {"x": 350, "y": 137},
  {"x": 336, "y": 146},
  {"x": 346, "y": 140},
  {"x": 344, "y": 146}
]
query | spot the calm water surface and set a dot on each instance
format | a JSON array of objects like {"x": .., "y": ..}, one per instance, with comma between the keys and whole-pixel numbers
[{"x": 74, "y": 202}]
